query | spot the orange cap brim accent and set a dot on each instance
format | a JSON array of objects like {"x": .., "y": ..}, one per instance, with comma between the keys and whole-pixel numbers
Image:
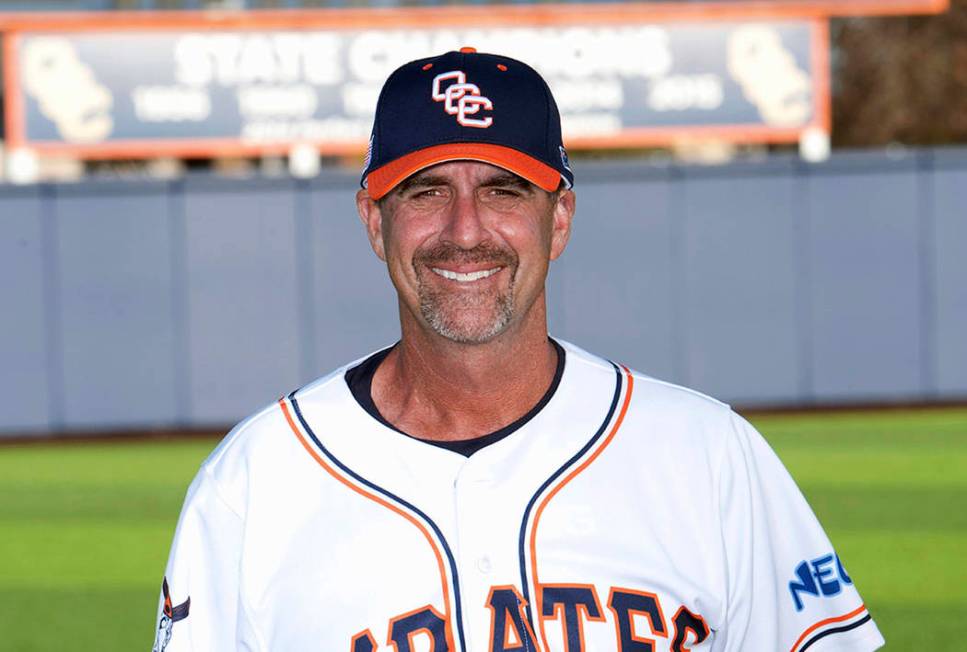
[{"x": 381, "y": 180}]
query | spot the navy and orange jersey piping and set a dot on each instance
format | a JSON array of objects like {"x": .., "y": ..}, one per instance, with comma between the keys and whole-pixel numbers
[
  {"x": 387, "y": 495},
  {"x": 623, "y": 386},
  {"x": 835, "y": 630},
  {"x": 522, "y": 543},
  {"x": 850, "y": 621}
]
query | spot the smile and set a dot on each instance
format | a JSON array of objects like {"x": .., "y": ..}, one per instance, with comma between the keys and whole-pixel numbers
[{"x": 465, "y": 277}]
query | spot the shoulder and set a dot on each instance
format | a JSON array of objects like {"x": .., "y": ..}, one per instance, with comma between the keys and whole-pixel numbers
[
  {"x": 264, "y": 445},
  {"x": 659, "y": 398},
  {"x": 658, "y": 419}
]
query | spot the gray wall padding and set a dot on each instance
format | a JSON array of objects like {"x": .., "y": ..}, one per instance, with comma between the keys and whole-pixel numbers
[{"x": 192, "y": 303}]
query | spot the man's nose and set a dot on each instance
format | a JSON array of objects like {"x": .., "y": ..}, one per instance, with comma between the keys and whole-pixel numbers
[{"x": 465, "y": 227}]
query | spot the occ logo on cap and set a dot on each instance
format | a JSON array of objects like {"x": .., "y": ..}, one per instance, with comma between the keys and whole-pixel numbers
[
  {"x": 465, "y": 105},
  {"x": 467, "y": 97}
]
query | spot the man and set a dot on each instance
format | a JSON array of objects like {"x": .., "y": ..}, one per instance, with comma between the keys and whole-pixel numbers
[{"x": 479, "y": 486}]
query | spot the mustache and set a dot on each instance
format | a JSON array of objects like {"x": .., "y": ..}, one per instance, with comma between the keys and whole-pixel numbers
[{"x": 447, "y": 252}]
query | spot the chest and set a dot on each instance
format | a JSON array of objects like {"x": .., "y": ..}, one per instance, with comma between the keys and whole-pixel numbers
[{"x": 489, "y": 555}]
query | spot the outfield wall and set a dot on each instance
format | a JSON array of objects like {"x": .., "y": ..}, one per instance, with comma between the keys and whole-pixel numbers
[{"x": 129, "y": 305}]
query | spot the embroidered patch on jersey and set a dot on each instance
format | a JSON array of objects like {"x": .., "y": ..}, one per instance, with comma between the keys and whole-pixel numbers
[
  {"x": 461, "y": 99},
  {"x": 820, "y": 577},
  {"x": 169, "y": 616}
]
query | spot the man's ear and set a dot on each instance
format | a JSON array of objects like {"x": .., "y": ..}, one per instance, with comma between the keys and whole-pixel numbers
[
  {"x": 371, "y": 216},
  {"x": 563, "y": 216}
]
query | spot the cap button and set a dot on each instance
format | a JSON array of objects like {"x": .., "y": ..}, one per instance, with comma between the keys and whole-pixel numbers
[{"x": 468, "y": 50}]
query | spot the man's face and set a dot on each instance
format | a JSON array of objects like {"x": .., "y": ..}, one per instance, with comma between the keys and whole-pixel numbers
[{"x": 467, "y": 245}]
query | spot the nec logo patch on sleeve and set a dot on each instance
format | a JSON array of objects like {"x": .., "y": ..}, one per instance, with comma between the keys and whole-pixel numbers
[{"x": 820, "y": 577}]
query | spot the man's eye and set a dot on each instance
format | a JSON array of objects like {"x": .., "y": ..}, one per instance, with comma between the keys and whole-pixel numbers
[{"x": 426, "y": 193}]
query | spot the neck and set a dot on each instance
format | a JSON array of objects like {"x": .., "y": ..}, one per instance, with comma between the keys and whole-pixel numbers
[{"x": 434, "y": 388}]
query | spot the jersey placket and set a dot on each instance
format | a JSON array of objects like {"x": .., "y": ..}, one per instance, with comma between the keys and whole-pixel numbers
[{"x": 486, "y": 553}]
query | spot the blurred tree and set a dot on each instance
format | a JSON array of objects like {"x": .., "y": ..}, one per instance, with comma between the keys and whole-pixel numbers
[{"x": 900, "y": 79}]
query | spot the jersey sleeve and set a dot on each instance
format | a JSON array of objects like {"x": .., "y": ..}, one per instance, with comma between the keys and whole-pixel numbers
[
  {"x": 199, "y": 604},
  {"x": 788, "y": 590}
]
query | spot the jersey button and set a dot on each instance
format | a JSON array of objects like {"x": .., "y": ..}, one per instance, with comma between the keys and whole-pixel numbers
[{"x": 484, "y": 565}]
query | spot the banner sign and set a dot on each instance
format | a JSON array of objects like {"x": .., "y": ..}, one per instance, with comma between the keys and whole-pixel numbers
[{"x": 131, "y": 93}]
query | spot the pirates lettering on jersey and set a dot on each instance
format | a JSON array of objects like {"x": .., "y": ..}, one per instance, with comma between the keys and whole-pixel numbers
[
  {"x": 363, "y": 642},
  {"x": 509, "y": 629},
  {"x": 572, "y": 605},
  {"x": 687, "y": 623},
  {"x": 425, "y": 621},
  {"x": 627, "y": 603},
  {"x": 405, "y": 631}
]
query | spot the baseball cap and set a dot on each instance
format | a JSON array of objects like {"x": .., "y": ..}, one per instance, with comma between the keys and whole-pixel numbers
[{"x": 466, "y": 105}]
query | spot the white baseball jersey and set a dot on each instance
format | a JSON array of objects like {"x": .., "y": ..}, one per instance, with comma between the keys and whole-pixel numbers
[{"x": 626, "y": 514}]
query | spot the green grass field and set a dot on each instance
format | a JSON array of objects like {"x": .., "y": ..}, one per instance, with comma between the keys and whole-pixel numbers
[{"x": 85, "y": 527}]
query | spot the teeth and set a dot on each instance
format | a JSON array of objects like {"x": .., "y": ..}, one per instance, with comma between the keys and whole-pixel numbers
[{"x": 465, "y": 278}]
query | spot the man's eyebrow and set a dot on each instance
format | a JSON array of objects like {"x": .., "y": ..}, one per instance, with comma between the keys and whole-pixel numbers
[
  {"x": 429, "y": 179},
  {"x": 508, "y": 179},
  {"x": 421, "y": 180}
]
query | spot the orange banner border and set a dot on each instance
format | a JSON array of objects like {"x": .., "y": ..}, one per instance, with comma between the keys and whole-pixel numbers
[
  {"x": 481, "y": 16},
  {"x": 815, "y": 11}
]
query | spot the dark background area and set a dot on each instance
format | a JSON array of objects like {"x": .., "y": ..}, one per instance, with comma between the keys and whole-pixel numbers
[{"x": 900, "y": 79}]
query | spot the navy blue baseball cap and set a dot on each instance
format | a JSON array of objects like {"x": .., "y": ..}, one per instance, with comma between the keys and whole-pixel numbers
[{"x": 466, "y": 106}]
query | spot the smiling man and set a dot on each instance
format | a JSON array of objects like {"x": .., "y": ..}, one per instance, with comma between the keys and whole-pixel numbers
[
  {"x": 467, "y": 245},
  {"x": 480, "y": 486}
]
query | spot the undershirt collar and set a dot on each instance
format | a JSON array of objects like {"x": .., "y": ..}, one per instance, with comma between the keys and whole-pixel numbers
[{"x": 360, "y": 382}]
